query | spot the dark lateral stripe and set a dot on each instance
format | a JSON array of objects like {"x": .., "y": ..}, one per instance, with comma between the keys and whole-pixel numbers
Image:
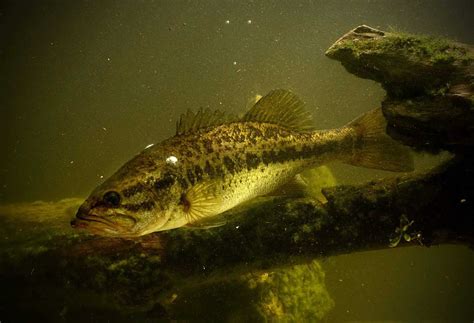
[
  {"x": 232, "y": 164},
  {"x": 165, "y": 182},
  {"x": 229, "y": 164},
  {"x": 208, "y": 169},
  {"x": 286, "y": 155},
  {"x": 268, "y": 156},
  {"x": 132, "y": 190},
  {"x": 183, "y": 182},
  {"x": 252, "y": 161},
  {"x": 198, "y": 172},
  {"x": 219, "y": 171},
  {"x": 191, "y": 178},
  {"x": 291, "y": 154},
  {"x": 306, "y": 151},
  {"x": 147, "y": 206}
]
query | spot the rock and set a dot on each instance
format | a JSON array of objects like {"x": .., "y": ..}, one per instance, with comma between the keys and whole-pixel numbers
[{"x": 429, "y": 83}]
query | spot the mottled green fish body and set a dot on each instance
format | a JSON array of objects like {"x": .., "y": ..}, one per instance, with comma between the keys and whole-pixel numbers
[{"x": 216, "y": 162}]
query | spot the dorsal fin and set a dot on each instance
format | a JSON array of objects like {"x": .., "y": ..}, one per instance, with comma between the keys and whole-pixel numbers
[
  {"x": 281, "y": 107},
  {"x": 203, "y": 118}
]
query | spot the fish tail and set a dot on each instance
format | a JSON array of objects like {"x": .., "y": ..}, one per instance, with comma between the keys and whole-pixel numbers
[{"x": 373, "y": 148}]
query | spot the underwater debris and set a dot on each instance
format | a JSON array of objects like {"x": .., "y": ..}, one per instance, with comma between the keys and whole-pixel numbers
[
  {"x": 140, "y": 276},
  {"x": 429, "y": 84},
  {"x": 402, "y": 233},
  {"x": 289, "y": 293}
]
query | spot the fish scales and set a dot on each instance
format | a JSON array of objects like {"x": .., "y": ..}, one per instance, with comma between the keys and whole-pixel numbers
[
  {"x": 242, "y": 147},
  {"x": 211, "y": 165}
]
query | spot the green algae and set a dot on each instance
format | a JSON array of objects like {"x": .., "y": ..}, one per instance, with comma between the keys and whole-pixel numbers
[
  {"x": 428, "y": 80},
  {"x": 286, "y": 294},
  {"x": 434, "y": 50},
  {"x": 406, "y": 65},
  {"x": 297, "y": 293},
  {"x": 259, "y": 267}
]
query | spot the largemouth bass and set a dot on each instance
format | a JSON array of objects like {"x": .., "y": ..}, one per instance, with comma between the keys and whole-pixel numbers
[{"x": 215, "y": 162}]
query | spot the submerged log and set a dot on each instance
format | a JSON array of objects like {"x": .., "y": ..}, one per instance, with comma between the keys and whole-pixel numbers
[
  {"x": 179, "y": 273},
  {"x": 262, "y": 265},
  {"x": 429, "y": 83}
]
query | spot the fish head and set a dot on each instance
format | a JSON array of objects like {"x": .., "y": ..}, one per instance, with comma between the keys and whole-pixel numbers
[{"x": 132, "y": 203}]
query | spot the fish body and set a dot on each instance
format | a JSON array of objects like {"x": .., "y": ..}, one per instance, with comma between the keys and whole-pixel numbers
[{"x": 213, "y": 164}]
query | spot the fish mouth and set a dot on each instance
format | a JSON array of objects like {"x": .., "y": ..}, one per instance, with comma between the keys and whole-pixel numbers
[{"x": 115, "y": 225}]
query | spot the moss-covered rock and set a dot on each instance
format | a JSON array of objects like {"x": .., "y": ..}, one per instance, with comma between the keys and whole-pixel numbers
[
  {"x": 406, "y": 65},
  {"x": 288, "y": 294},
  {"x": 429, "y": 83}
]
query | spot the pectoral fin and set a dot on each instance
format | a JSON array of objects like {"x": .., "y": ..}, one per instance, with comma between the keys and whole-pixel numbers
[{"x": 201, "y": 202}]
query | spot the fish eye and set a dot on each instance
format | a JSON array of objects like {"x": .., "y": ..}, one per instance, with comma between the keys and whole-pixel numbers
[{"x": 112, "y": 198}]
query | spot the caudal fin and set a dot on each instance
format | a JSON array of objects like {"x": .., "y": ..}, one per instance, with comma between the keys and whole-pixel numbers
[{"x": 373, "y": 148}]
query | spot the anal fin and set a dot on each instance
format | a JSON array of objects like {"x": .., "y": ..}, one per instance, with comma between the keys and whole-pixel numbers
[{"x": 296, "y": 187}]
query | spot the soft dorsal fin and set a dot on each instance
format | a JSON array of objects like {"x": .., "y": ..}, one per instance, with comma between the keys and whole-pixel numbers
[
  {"x": 203, "y": 118},
  {"x": 281, "y": 107}
]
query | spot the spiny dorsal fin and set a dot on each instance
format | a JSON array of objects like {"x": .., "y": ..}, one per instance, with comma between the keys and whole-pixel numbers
[
  {"x": 203, "y": 118},
  {"x": 281, "y": 107}
]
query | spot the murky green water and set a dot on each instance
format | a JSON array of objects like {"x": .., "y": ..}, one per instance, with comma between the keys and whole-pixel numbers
[{"x": 85, "y": 85}]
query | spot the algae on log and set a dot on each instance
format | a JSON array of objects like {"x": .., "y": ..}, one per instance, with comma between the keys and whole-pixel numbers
[
  {"x": 179, "y": 273},
  {"x": 429, "y": 83}
]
